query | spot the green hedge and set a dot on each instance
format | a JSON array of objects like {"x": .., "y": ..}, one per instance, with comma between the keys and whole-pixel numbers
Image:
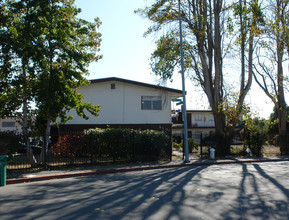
[
  {"x": 9, "y": 142},
  {"x": 116, "y": 143},
  {"x": 152, "y": 145}
]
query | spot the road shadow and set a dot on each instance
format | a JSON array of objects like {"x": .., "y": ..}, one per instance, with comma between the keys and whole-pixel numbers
[
  {"x": 113, "y": 196},
  {"x": 257, "y": 197}
]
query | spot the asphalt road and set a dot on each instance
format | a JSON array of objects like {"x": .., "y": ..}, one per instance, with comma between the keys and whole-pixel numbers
[{"x": 232, "y": 191}]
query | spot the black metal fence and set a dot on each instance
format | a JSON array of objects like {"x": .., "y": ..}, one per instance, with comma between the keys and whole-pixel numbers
[
  {"x": 78, "y": 149},
  {"x": 240, "y": 144}
]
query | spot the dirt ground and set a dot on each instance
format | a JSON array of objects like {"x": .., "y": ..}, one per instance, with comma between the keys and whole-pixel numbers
[
  {"x": 268, "y": 151},
  {"x": 271, "y": 151}
]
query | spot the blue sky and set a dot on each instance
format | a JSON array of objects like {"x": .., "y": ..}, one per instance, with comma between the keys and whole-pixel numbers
[{"x": 126, "y": 52}]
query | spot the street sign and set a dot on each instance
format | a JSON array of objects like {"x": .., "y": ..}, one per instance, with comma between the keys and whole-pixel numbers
[
  {"x": 180, "y": 103},
  {"x": 176, "y": 100}
]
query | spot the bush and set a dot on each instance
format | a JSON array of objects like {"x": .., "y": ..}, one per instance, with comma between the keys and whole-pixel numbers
[
  {"x": 9, "y": 142},
  {"x": 152, "y": 145},
  {"x": 192, "y": 144},
  {"x": 178, "y": 146},
  {"x": 177, "y": 138},
  {"x": 109, "y": 142},
  {"x": 69, "y": 146},
  {"x": 115, "y": 143},
  {"x": 255, "y": 141}
]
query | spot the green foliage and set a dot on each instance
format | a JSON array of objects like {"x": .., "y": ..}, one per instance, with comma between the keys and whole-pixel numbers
[
  {"x": 177, "y": 138},
  {"x": 255, "y": 140},
  {"x": 68, "y": 45},
  {"x": 151, "y": 145},
  {"x": 192, "y": 144},
  {"x": 9, "y": 142},
  {"x": 177, "y": 146},
  {"x": 272, "y": 126},
  {"x": 118, "y": 144},
  {"x": 46, "y": 49},
  {"x": 255, "y": 135}
]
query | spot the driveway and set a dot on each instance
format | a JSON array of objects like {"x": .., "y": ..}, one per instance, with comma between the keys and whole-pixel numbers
[{"x": 230, "y": 191}]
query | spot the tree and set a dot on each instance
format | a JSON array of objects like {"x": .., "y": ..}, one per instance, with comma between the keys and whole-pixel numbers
[
  {"x": 204, "y": 32},
  {"x": 18, "y": 70},
  {"x": 49, "y": 48},
  {"x": 273, "y": 128},
  {"x": 68, "y": 45},
  {"x": 268, "y": 73},
  {"x": 202, "y": 47}
]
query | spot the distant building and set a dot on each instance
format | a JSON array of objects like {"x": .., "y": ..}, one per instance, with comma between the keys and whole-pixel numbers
[
  {"x": 125, "y": 104},
  {"x": 199, "y": 122},
  {"x": 10, "y": 124}
]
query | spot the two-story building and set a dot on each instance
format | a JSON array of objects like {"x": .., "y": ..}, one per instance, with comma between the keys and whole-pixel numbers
[
  {"x": 125, "y": 104},
  {"x": 199, "y": 122}
]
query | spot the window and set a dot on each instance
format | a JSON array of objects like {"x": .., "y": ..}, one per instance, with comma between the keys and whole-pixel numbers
[
  {"x": 112, "y": 86},
  {"x": 198, "y": 117},
  {"x": 151, "y": 103},
  {"x": 6, "y": 124}
]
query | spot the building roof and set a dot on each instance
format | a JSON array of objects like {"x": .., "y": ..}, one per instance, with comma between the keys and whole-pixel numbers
[{"x": 135, "y": 83}]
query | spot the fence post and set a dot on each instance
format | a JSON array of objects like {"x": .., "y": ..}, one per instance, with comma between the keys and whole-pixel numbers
[
  {"x": 249, "y": 134},
  {"x": 287, "y": 147},
  {"x": 133, "y": 146},
  {"x": 46, "y": 139},
  {"x": 201, "y": 143},
  {"x": 183, "y": 141},
  {"x": 259, "y": 147},
  {"x": 170, "y": 147},
  {"x": 90, "y": 148}
]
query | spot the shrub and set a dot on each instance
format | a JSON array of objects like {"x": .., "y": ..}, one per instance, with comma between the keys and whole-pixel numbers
[
  {"x": 109, "y": 142},
  {"x": 255, "y": 141},
  {"x": 192, "y": 144},
  {"x": 178, "y": 146},
  {"x": 152, "y": 145},
  {"x": 9, "y": 142},
  {"x": 69, "y": 146},
  {"x": 177, "y": 138},
  {"x": 116, "y": 143}
]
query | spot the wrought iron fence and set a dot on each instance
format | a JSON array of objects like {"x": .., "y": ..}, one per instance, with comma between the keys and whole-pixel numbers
[
  {"x": 241, "y": 144},
  {"x": 67, "y": 149}
]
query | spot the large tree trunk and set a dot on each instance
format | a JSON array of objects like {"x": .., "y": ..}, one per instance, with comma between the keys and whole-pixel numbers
[
  {"x": 281, "y": 98},
  {"x": 45, "y": 143},
  {"x": 25, "y": 127}
]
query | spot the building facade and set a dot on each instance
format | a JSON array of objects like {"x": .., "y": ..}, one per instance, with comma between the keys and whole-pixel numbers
[
  {"x": 125, "y": 104},
  {"x": 199, "y": 122}
]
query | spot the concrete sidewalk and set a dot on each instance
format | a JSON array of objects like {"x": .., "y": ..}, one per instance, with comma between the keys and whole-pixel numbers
[{"x": 117, "y": 168}]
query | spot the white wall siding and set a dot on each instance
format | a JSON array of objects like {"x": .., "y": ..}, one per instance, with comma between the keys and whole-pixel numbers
[
  {"x": 122, "y": 105},
  {"x": 202, "y": 119}
]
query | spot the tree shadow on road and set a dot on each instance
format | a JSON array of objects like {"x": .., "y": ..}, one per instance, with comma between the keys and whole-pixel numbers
[
  {"x": 135, "y": 195},
  {"x": 258, "y": 197}
]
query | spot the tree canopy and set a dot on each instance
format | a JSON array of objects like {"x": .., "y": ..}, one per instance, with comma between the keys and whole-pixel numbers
[
  {"x": 45, "y": 51},
  {"x": 217, "y": 33}
]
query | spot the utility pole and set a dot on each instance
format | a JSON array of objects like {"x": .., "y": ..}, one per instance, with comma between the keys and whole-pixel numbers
[{"x": 187, "y": 159}]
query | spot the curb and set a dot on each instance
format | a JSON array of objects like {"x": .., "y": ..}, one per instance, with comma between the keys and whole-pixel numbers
[{"x": 123, "y": 170}]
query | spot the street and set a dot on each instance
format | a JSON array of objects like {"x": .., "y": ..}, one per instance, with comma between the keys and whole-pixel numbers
[{"x": 232, "y": 191}]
